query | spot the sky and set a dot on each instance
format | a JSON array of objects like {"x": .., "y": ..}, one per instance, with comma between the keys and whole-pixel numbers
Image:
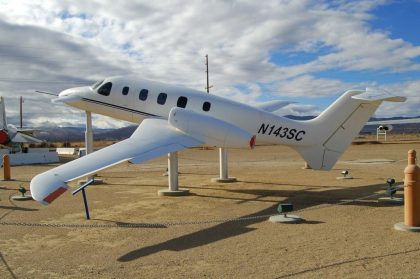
[{"x": 308, "y": 52}]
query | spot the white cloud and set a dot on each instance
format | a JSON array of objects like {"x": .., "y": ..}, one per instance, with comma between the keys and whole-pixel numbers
[
  {"x": 411, "y": 107},
  {"x": 308, "y": 86},
  {"x": 167, "y": 40}
]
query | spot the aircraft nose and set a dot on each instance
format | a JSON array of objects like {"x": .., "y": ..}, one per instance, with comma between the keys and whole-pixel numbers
[
  {"x": 65, "y": 92},
  {"x": 70, "y": 95},
  {"x": 71, "y": 91}
]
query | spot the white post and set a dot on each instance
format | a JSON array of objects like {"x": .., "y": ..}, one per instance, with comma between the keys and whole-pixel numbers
[
  {"x": 88, "y": 140},
  {"x": 223, "y": 168},
  {"x": 173, "y": 189},
  {"x": 173, "y": 171},
  {"x": 89, "y": 145},
  {"x": 223, "y": 163},
  {"x": 88, "y": 133}
]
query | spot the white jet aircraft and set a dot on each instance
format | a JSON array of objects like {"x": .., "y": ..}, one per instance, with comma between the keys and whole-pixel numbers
[
  {"x": 174, "y": 118},
  {"x": 10, "y": 135}
]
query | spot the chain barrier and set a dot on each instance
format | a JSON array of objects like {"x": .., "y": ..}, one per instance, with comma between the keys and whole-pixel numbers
[{"x": 186, "y": 223}]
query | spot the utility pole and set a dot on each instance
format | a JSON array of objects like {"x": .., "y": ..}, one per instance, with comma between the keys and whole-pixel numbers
[
  {"x": 21, "y": 112},
  {"x": 207, "y": 74}
]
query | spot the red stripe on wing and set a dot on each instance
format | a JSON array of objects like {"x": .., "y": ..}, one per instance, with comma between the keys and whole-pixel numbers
[{"x": 51, "y": 197}]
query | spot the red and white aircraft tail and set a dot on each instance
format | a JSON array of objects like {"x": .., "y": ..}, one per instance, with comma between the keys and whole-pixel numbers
[{"x": 10, "y": 134}]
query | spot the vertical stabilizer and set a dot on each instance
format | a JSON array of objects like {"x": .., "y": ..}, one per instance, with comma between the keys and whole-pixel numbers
[
  {"x": 335, "y": 128},
  {"x": 3, "y": 122}
]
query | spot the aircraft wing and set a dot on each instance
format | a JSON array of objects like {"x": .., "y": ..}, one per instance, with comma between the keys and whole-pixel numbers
[
  {"x": 153, "y": 138},
  {"x": 24, "y": 138},
  {"x": 28, "y": 131}
]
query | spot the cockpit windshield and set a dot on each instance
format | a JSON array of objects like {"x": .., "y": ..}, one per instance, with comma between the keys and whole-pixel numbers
[{"x": 96, "y": 84}]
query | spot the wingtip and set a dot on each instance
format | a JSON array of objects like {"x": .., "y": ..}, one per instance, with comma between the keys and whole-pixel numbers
[
  {"x": 377, "y": 94},
  {"x": 45, "y": 189}
]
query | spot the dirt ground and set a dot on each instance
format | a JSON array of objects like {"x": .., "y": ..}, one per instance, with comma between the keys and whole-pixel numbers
[{"x": 353, "y": 240}]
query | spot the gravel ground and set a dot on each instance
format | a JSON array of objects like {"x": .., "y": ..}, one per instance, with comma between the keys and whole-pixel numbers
[{"x": 195, "y": 237}]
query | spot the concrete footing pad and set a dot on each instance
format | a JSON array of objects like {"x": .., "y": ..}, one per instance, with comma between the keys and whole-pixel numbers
[
  {"x": 224, "y": 180},
  {"x": 287, "y": 219},
  {"x": 179, "y": 192},
  {"x": 22, "y": 198},
  {"x": 402, "y": 227},
  {"x": 389, "y": 200},
  {"x": 344, "y": 177}
]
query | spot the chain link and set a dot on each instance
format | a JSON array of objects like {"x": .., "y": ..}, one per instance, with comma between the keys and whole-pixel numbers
[{"x": 173, "y": 224}]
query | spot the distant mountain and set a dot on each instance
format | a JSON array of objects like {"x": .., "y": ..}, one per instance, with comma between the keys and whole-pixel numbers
[
  {"x": 115, "y": 134},
  {"x": 371, "y": 129},
  {"x": 70, "y": 134}
]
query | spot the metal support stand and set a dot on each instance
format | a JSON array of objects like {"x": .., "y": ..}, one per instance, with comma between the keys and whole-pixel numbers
[
  {"x": 86, "y": 204},
  {"x": 89, "y": 145},
  {"x": 380, "y": 132},
  {"x": 82, "y": 188},
  {"x": 224, "y": 177},
  {"x": 173, "y": 189}
]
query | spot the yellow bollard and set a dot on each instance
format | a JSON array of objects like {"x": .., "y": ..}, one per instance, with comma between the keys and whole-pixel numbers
[
  {"x": 6, "y": 167},
  {"x": 412, "y": 192},
  {"x": 411, "y": 196}
]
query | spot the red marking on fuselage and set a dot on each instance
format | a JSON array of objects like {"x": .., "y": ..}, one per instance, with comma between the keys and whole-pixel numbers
[{"x": 252, "y": 142}]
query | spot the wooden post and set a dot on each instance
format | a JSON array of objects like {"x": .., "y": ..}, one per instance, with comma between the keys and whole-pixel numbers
[
  {"x": 6, "y": 167},
  {"x": 412, "y": 192}
]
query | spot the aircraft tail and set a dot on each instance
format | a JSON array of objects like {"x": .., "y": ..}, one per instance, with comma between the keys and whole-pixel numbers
[
  {"x": 3, "y": 123},
  {"x": 335, "y": 128}
]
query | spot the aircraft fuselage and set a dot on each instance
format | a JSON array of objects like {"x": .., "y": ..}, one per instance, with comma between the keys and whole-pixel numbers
[{"x": 136, "y": 99}]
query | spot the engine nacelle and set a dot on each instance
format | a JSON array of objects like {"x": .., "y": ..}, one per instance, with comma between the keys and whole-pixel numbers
[
  {"x": 210, "y": 130},
  {"x": 385, "y": 128}
]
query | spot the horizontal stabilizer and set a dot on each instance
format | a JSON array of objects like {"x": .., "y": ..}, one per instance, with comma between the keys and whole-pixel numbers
[
  {"x": 24, "y": 138},
  {"x": 378, "y": 95}
]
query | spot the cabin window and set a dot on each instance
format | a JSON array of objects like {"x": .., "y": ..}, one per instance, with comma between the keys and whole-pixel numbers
[
  {"x": 143, "y": 94},
  {"x": 125, "y": 90},
  {"x": 161, "y": 100},
  {"x": 182, "y": 102},
  {"x": 105, "y": 89},
  {"x": 206, "y": 106},
  {"x": 96, "y": 84}
]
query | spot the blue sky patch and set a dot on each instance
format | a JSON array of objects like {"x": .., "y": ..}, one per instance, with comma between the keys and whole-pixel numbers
[{"x": 401, "y": 19}]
